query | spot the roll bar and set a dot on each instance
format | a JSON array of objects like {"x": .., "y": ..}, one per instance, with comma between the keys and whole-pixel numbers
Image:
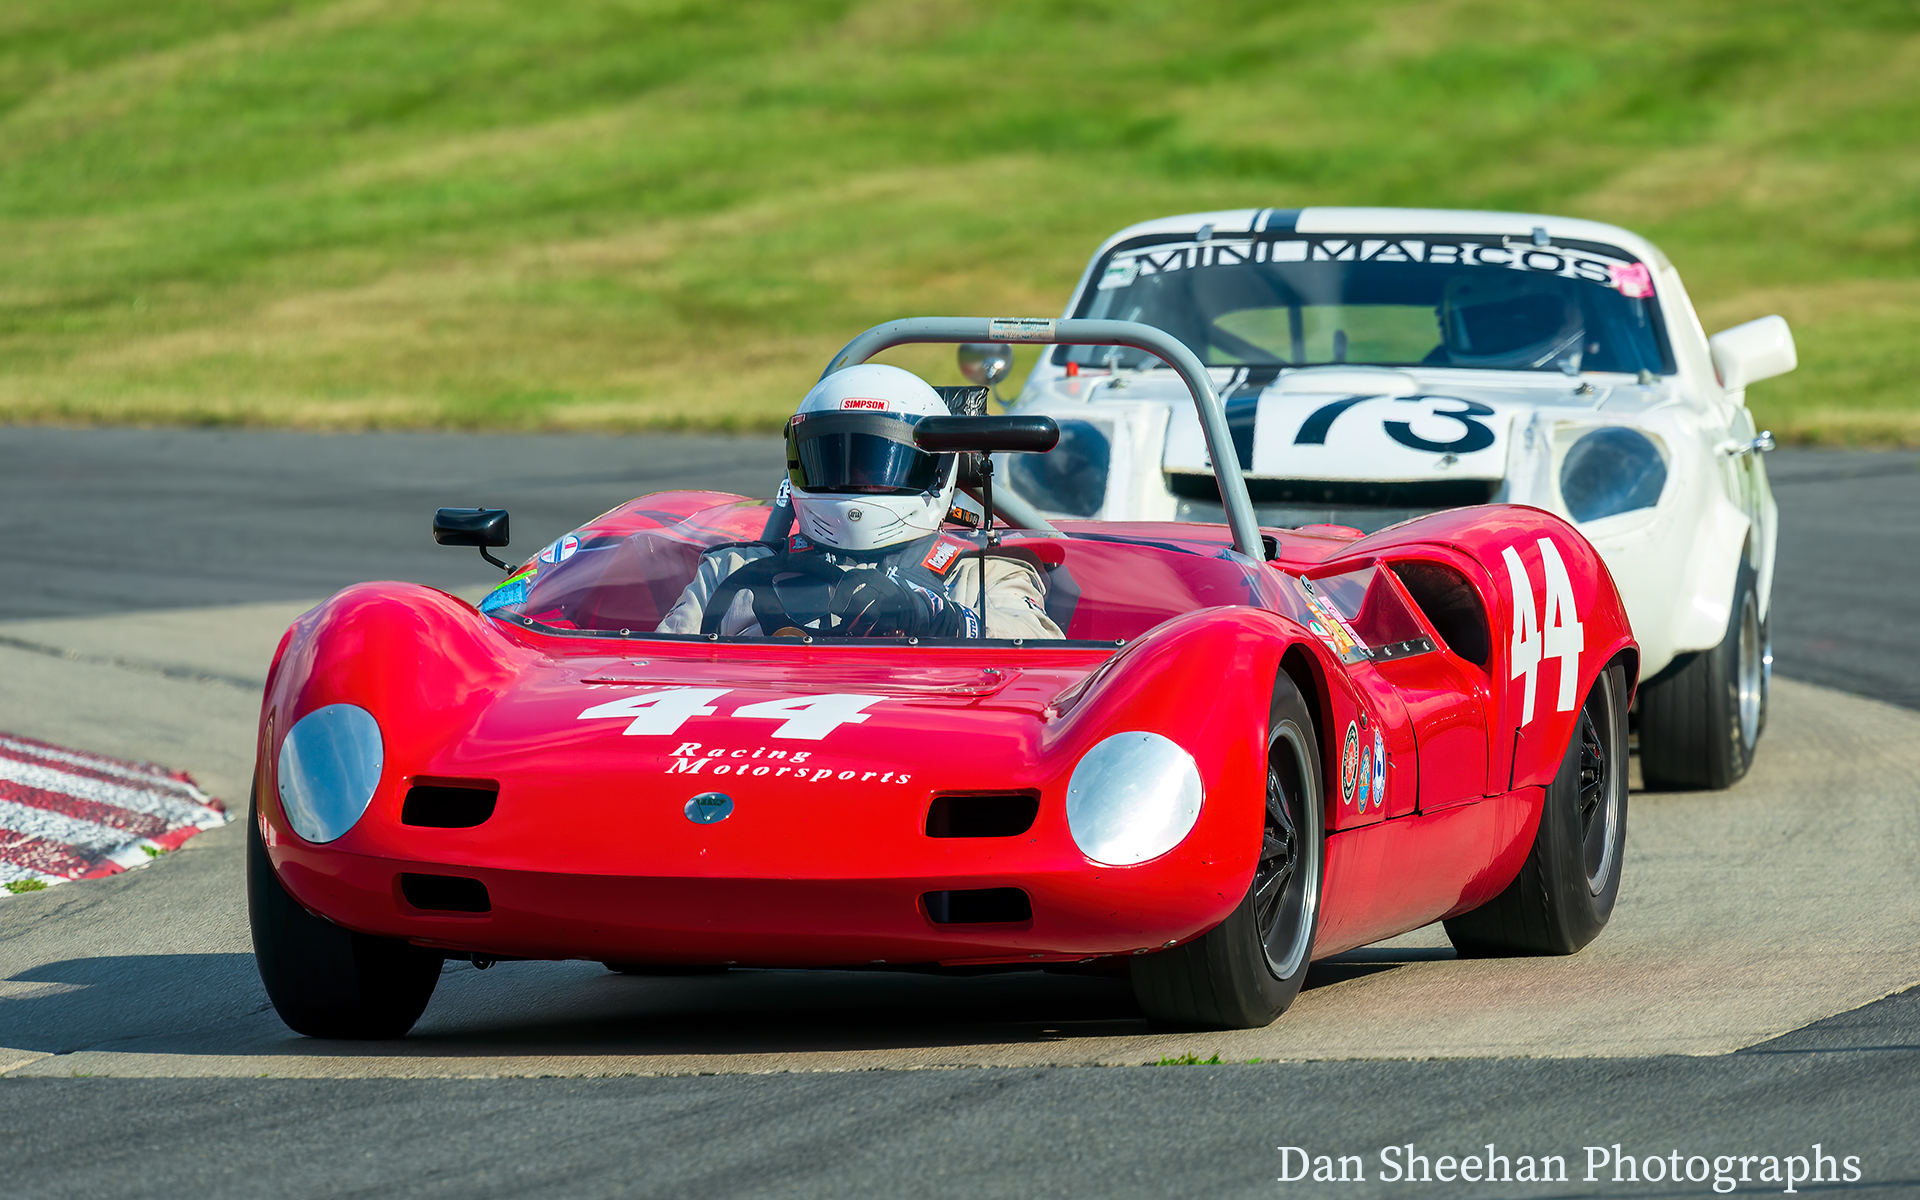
[{"x": 1070, "y": 332}]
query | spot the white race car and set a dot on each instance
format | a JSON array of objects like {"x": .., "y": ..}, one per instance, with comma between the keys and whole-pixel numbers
[{"x": 1380, "y": 363}]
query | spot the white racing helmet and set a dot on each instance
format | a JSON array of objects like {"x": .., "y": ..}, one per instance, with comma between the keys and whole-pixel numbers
[{"x": 859, "y": 482}]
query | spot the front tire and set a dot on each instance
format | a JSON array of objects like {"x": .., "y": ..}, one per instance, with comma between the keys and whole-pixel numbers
[
  {"x": 325, "y": 981},
  {"x": 1246, "y": 971},
  {"x": 1565, "y": 891},
  {"x": 1699, "y": 724}
]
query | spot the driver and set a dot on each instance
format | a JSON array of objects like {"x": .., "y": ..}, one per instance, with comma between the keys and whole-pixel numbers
[
  {"x": 1511, "y": 320},
  {"x": 867, "y": 558}
]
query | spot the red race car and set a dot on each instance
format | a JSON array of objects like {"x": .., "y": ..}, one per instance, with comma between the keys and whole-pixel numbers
[{"x": 1248, "y": 749}]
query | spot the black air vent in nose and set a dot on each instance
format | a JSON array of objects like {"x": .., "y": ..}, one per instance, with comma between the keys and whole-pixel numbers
[
  {"x": 1002, "y": 814},
  {"x": 978, "y": 906},
  {"x": 447, "y": 805},
  {"x": 446, "y": 893}
]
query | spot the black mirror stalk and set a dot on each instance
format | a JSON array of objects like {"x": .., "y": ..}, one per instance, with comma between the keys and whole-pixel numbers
[
  {"x": 986, "y": 435},
  {"x": 982, "y": 437},
  {"x": 992, "y": 538}
]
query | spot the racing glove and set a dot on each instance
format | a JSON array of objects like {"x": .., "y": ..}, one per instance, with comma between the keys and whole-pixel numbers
[{"x": 876, "y": 604}]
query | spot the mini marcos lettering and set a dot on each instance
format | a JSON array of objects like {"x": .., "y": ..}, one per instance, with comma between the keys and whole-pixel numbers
[{"x": 1124, "y": 269}]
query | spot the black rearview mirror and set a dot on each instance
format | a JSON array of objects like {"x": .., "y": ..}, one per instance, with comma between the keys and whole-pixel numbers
[
  {"x": 470, "y": 526},
  {"x": 481, "y": 527},
  {"x": 986, "y": 435}
]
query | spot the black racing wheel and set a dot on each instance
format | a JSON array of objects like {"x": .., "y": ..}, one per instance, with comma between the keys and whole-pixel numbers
[
  {"x": 1700, "y": 721},
  {"x": 1246, "y": 971},
  {"x": 787, "y": 594},
  {"x": 812, "y": 596},
  {"x": 1565, "y": 891},
  {"x": 325, "y": 981}
]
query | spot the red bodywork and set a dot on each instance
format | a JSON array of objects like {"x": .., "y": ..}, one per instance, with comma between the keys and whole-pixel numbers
[{"x": 824, "y": 860}]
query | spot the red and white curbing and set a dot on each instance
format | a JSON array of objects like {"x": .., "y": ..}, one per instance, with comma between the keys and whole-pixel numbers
[{"x": 67, "y": 814}]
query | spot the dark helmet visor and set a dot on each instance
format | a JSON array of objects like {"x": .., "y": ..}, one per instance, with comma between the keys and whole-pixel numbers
[{"x": 870, "y": 453}]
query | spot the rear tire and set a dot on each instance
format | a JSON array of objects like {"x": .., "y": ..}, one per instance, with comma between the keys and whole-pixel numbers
[
  {"x": 1699, "y": 724},
  {"x": 325, "y": 981},
  {"x": 1246, "y": 971},
  {"x": 1565, "y": 891}
]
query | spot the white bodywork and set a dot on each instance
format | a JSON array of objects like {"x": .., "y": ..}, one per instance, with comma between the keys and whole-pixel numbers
[{"x": 1675, "y": 562}]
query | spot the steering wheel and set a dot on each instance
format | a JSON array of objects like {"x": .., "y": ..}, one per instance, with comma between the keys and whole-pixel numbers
[{"x": 773, "y": 581}]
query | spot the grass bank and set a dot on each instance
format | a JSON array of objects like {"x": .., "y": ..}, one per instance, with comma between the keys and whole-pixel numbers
[{"x": 626, "y": 214}]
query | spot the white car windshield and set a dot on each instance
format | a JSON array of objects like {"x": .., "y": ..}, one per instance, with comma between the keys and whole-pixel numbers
[{"x": 1403, "y": 301}]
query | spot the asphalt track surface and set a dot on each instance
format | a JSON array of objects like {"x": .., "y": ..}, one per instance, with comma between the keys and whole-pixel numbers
[
  {"x": 1847, "y": 593},
  {"x": 126, "y": 520},
  {"x": 128, "y": 547}
]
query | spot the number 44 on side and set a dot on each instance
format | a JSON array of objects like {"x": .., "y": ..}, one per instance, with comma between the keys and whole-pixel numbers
[{"x": 1549, "y": 629}]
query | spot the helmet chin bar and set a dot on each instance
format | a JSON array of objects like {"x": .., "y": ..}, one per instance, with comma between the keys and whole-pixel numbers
[
  {"x": 1076, "y": 332},
  {"x": 881, "y": 520}
]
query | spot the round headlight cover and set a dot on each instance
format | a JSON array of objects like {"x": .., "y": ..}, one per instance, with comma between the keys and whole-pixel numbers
[
  {"x": 1133, "y": 797},
  {"x": 1611, "y": 471},
  {"x": 329, "y": 765}
]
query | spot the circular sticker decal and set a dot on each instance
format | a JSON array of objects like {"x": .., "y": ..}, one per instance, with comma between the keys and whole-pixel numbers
[
  {"x": 561, "y": 550},
  {"x": 708, "y": 807},
  {"x": 1350, "y": 765},
  {"x": 1365, "y": 785},
  {"x": 1379, "y": 771}
]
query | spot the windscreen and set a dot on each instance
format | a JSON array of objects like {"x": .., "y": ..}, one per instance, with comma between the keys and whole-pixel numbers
[
  {"x": 1363, "y": 615},
  {"x": 626, "y": 574},
  {"x": 1404, "y": 301}
]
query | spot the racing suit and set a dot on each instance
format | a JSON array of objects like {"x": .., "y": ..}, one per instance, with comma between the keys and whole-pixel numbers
[{"x": 929, "y": 587}]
